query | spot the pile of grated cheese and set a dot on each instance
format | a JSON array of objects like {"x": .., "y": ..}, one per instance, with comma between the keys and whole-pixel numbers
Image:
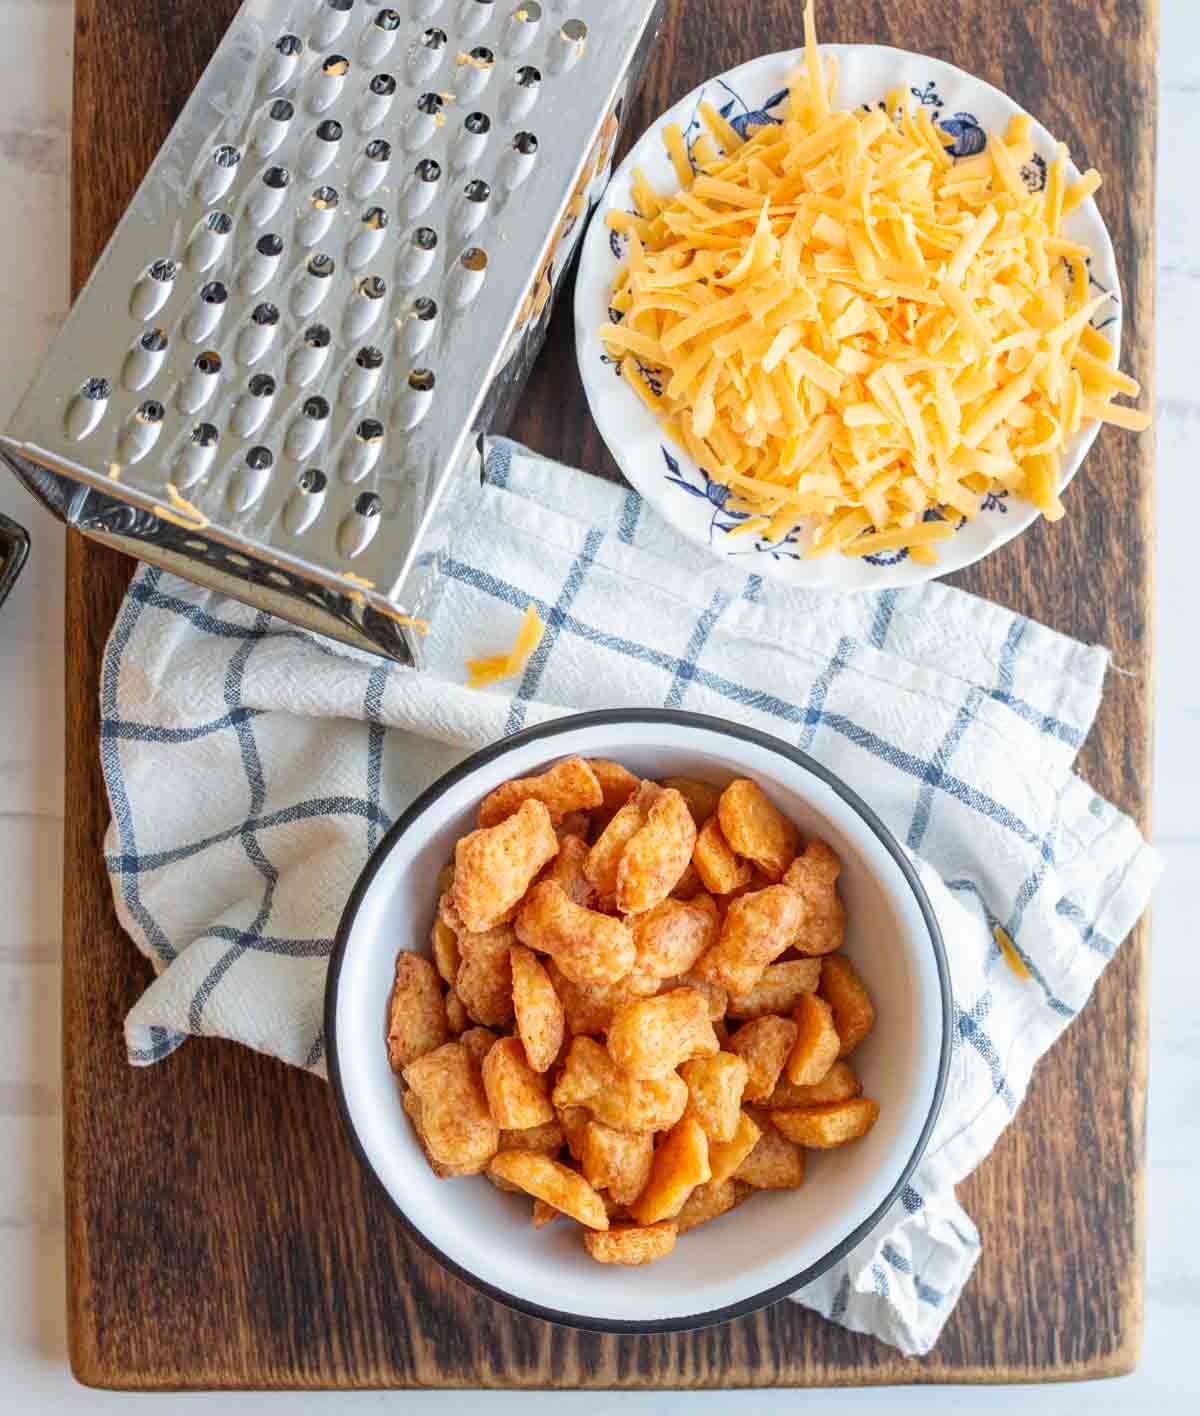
[{"x": 856, "y": 332}]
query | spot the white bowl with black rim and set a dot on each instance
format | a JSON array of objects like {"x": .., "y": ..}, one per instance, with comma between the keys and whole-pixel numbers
[{"x": 776, "y": 1242}]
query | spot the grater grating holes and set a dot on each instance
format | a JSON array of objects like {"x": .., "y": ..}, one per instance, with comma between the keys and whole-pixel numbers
[
  {"x": 522, "y": 28},
  {"x": 416, "y": 260},
  {"x": 467, "y": 281},
  {"x": 197, "y": 455},
  {"x": 330, "y": 21},
  {"x": 141, "y": 432},
  {"x": 366, "y": 365},
  {"x": 474, "y": 14},
  {"x": 272, "y": 125},
  {"x": 308, "y": 429},
  {"x": 216, "y": 177},
  {"x": 309, "y": 358},
  {"x": 249, "y": 482},
  {"x": 364, "y": 308},
  {"x": 519, "y": 161},
  {"x": 259, "y": 333},
  {"x": 304, "y": 505},
  {"x": 153, "y": 290},
  {"x": 416, "y": 327},
  {"x": 373, "y": 224},
  {"x": 87, "y": 408},
  {"x": 145, "y": 359},
  {"x": 251, "y": 409},
  {"x": 328, "y": 82},
  {"x": 572, "y": 40},
  {"x": 261, "y": 265},
  {"x": 314, "y": 284}
]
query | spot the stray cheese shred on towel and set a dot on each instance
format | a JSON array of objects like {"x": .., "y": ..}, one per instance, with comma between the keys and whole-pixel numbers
[
  {"x": 856, "y": 332},
  {"x": 500, "y": 666}
]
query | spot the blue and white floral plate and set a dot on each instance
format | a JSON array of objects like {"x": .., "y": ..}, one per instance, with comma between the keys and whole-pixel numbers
[{"x": 675, "y": 486}]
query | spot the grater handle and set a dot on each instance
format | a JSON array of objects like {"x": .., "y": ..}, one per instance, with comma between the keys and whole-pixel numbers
[{"x": 14, "y": 550}]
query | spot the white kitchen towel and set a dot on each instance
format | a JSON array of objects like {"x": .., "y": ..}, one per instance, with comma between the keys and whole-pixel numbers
[{"x": 252, "y": 766}]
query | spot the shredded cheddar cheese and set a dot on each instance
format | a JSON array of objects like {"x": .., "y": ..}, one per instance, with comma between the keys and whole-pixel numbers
[
  {"x": 418, "y": 626},
  {"x": 500, "y": 666},
  {"x": 184, "y": 513},
  {"x": 856, "y": 332},
  {"x": 1009, "y": 951},
  {"x": 358, "y": 599}
]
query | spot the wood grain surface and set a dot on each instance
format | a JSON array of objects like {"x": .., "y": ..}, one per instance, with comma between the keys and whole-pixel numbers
[{"x": 220, "y": 1233}]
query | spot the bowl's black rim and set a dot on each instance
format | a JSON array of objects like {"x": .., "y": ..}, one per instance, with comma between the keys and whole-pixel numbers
[{"x": 546, "y": 732}]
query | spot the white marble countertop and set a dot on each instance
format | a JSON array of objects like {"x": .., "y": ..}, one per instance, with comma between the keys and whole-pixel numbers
[{"x": 35, "y": 87}]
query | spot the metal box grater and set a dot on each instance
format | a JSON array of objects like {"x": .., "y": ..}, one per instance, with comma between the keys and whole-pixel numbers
[{"x": 331, "y": 283}]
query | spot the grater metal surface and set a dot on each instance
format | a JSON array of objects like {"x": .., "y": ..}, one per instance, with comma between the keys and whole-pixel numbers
[{"x": 331, "y": 283}]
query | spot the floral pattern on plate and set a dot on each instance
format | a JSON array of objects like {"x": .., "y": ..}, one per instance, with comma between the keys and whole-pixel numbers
[{"x": 684, "y": 493}]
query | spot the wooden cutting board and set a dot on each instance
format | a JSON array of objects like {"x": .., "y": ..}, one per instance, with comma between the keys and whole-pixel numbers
[{"x": 220, "y": 1233}]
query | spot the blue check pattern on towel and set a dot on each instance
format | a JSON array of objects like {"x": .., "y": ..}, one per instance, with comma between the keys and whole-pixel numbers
[{"x": 251, "y": 767}]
